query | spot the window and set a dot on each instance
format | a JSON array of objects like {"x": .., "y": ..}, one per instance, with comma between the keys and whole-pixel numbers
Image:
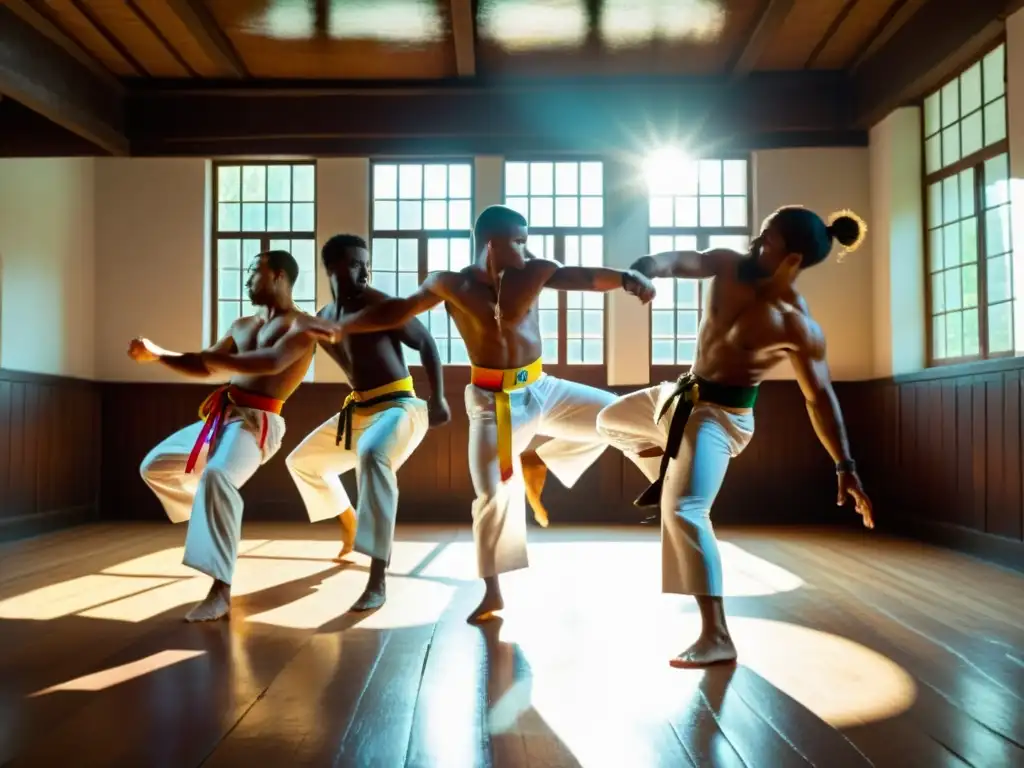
[
  {"x": 422, "y": 222},
  {"x": 564, "y": 205},
  {"x": 967, "y": 187},
  {"x": 698, "y": 205},
  {"x": 260, "y": 207}
]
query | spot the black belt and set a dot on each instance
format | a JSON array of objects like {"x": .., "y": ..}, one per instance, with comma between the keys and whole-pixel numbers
[
  {"x": 689, "y": 390},
  {"x": 345, "y": 417}
]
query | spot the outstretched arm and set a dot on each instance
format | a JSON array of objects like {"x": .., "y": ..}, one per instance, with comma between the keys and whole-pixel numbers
[
  {"x": 394, "y": 312},
  {"x": 142, "y": 350},
  {"x": 598, "y": 279},
  {"x": 270, "y": 360},
  {"x": 691, "y": 264},
  {"x": 415, "y": 335},
  {"x": 812, "y": 373}
]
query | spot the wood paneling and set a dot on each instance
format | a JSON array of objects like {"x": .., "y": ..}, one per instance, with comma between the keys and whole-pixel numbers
[
  {"x": 784, "y": 476},
  {"x": 49, "y": 462},
  {"x": 948, "y": 462}
]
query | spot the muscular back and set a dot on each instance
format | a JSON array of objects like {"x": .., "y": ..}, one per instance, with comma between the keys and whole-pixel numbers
[
  {"x": 369, "y": 360},
  {"x": 252, "y": 333},
  {"x": 747, "y": 331}
]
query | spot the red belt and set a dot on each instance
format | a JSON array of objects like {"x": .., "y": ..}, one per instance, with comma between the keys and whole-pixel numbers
[{"x": 215, "y": 406}]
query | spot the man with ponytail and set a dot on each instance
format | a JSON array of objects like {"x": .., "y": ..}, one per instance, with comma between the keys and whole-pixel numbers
[{"x": 754, "y": 319}]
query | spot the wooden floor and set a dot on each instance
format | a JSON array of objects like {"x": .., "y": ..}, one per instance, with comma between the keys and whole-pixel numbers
[{"x": 855, "y": 650}]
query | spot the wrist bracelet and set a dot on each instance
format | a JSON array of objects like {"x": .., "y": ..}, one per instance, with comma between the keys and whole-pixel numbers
[{"x": 846, "y": 465}]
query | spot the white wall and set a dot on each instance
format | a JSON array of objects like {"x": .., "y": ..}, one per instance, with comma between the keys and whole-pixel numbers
[
  {"x": 897, "y": 226},
  {"x": 151, "y": 261},
  {"x": 47, "y": 266},
  {"x": 839, "y": 294},
  {"x": 1015, "y": 136}
]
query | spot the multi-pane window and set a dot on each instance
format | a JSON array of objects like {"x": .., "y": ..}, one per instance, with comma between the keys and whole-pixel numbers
[
  {"x": 970, "y": 261},
  {"x": 422, "y": 222},
  {"x": 564, "y": 205},
  {"x": 260, "y": 207},
  {"x": 693, "y": 205}
]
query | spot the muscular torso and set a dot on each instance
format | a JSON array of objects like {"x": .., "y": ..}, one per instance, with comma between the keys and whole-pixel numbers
[
  {"x": 252, "y": 333},
  {"x": 513, "y": 342},
  {"x": 745, "y": 332},
  {"x": 369, "y": 360}
]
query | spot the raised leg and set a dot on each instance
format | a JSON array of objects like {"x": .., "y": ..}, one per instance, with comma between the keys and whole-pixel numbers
[
  {"x": 571, "y": 412},
  {"x": 163, "y": 470},
  {"x": 535, "y": 473},
  {"x": 349, "y": 524},
  {"x": 316, "y": 466},
  {"x": 628, "y": 424}
]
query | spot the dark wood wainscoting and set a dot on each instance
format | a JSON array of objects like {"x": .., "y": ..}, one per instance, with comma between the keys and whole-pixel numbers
[
  {"x": 946, "y": 457},
  {"x": 49, "y": 452},
  {"x": 784, "y": 476}
]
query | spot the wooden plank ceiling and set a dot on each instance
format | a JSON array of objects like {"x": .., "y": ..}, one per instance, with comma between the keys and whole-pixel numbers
[{"x": 436, "y": 39}]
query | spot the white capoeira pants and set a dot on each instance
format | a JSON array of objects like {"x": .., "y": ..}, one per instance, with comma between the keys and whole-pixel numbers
[
  {"x": 382, "y": 441},
  {"x": 691, "y": 564},
  {"x": 208, "y": 497},
  {"x": 564, "y": 410}
]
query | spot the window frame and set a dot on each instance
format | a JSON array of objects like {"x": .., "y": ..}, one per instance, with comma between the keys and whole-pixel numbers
[
  {"x": 660, "y": 371},
  {"x": 559, "y": 234},
  {"x": 975, "y": 161},
  {"x": 264, "y": 236},
  {"x": 423, "y": 235}
]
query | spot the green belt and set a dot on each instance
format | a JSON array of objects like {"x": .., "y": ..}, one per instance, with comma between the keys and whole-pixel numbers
[{"x": 691, "y": 389}]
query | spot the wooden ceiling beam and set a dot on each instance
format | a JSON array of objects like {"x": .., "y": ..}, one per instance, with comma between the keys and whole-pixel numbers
[
  {"x": 768, "y": 24},
  {"x": 826, "y": 38},
  {"x": 896, "y": 16},
  {"x": 463, "y": 37},
  {"x": 201, "y": 24},
  {"x": 40, "y": 73},
  {"x": 43, "y": 23},
  {"x": 942, "y": 37},
  {"x": 599, "y": 114}
]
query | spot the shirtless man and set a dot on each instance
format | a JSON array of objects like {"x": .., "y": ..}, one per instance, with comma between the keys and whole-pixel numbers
[
  {"x": 754, "y": 320},
  {"x": 268, "y": 355},
  {"x": 380, "y": 424},
  {"x": 494, "y": 305}
]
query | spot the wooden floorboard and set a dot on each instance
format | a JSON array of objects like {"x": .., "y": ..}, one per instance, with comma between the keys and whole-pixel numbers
[{"x": 856, "y": 650}]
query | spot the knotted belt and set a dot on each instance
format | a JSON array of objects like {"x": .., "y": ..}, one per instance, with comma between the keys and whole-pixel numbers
[
  {"x": 501, "y": 382},
  {"x": 395, "y": 390},
  {"x": 690, "y": 389},
  {"x": 214, "y": 408}
]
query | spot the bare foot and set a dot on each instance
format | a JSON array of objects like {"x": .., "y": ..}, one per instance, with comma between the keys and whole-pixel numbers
[
  {"x": 535, "y": 473},
  {"x": 348, "y": 531},
  {"x": 371, "y": 599},
  {"x": 217, "y": 605},
  {"x": 485, "y": 611},
  {"x": 706, "y": 652}
]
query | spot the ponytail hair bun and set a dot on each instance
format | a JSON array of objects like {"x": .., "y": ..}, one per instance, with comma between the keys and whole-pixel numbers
[{"x": 848, "y": 229}]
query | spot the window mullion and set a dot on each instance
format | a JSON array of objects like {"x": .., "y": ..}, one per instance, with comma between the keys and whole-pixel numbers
[{"x": 982, "y": 261}]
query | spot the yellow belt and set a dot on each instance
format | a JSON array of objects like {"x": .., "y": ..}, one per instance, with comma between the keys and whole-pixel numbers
[
  {"x": 396, "y": 390},
  {"x": 501, "y": 382}
]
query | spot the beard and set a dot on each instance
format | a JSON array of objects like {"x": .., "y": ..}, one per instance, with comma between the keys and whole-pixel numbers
[{"x": 750, "y": 269}]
